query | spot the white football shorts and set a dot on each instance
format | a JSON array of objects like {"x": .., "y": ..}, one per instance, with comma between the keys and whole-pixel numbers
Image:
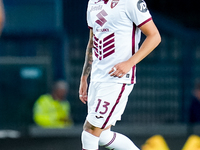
[{"x": 106, "y": 102}]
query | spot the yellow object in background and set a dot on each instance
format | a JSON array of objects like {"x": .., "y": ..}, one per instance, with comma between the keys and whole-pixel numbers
[
  {"x": 50, "y": 113},
  {"x": 156, "y": 142},
  {"x": 193, "y": 143}
]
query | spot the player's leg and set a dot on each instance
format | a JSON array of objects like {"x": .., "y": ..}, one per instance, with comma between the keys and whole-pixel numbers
[
  {"x": 90, "y": 136},
  {"x": 113, "y": 140},
  {"x": 105, "y": 107},
  {"x": 89, "y": 141},
  {"x": 116, "y": 141}
]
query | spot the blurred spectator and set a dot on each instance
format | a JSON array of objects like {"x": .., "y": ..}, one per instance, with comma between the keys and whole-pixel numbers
[
  {"x": 52, "y": 110},
  {"x": 195, "y": 105},
  {"x": 1, "y": 15}
]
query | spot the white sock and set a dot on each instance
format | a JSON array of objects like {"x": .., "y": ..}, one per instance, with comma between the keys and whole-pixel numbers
[
  {"x": 116, "y": 141},
  {"x": 89, "y": 141}
]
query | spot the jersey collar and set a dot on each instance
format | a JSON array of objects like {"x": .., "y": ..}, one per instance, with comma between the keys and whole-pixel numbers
[{"x": 105, "y": 1}]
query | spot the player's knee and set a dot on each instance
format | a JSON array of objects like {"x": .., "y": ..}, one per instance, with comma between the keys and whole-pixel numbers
[
  {"x": 87, "y": 126},
  {"x": 92, "y": 129}
]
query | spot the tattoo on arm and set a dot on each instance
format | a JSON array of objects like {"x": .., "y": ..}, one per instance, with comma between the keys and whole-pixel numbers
[{"x": 88, "y": 59}]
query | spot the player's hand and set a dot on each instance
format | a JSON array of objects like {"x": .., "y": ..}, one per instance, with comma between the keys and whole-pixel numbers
[
  {"x": 83, "y": 90},
  {"x": 120, "y": 69}
]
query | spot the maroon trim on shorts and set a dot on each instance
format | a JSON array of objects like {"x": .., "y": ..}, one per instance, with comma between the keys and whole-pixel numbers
[
  {"x": 90, "y": 27},
  {"x": 144, "y": 22},
  {"x": 114, "y": 137},
  {"x": 112, "y": 110}
]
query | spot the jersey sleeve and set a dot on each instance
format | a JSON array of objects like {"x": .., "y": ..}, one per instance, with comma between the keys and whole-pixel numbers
[
  {"x": 138, "y": 12},
  {"x": 90, "y": 26}
]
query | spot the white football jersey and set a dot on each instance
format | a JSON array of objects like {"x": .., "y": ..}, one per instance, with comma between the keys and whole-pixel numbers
[{"x": 116, "y": 35}]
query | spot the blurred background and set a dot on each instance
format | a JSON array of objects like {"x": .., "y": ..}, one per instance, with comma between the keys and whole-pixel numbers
[{"x": 45, "y": 40}]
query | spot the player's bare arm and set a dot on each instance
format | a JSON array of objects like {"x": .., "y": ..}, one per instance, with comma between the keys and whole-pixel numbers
[
  {"x": 86, "y": 70},
  {"x": 1, "y": 16},
  {"x": 150, "y": 43}
]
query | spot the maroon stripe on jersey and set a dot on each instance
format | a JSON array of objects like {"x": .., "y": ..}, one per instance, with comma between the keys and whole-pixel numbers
[
  {"x": 96, "y": 38},
  {"x": 112, "y": 110},
  {"x": 144, "y": 22},
  {"x": 95, "y": 44},
  {"x": 114, "y": 137},
  {"x": 109, "y": 48},
  {"x": 95, "y": 53},
  {"x": 108, "y": 37},
  {"x": 133, "y": 76},
  {"x": 133, "y": 52},
  {"x": 96, "y": 49},
  {"x": 109, "y": 53},
  {"x": 109, "y": 42}
]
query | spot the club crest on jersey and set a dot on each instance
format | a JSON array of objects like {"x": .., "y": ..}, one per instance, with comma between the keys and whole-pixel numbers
[
  {"x": 114, "y": 3},
  {"x": 141, "y": 5}
]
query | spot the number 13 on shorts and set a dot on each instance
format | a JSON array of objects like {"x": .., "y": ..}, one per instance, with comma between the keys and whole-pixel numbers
[{"x": 104, "y": 106}]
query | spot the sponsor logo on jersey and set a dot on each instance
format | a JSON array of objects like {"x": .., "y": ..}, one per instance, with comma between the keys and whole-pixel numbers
[
  {"x": 114, "y": 3},
  {"x": 105, "y": 1},
  {"x": 96, "y": 8},
  {"x": 101, "y": 15},
  {"x": 102, "y": 30},
  {"x": 98, "y": 1},
  {"x": 105, "y": 47},
  {"x": 141, "y": 5},
  {"x": 127, "y": 75}
]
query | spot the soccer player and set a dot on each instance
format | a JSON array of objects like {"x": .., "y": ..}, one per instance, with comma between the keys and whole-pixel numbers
[
  {"x": 111, "y": 56},
  {"x": 1, "y": 16}
]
